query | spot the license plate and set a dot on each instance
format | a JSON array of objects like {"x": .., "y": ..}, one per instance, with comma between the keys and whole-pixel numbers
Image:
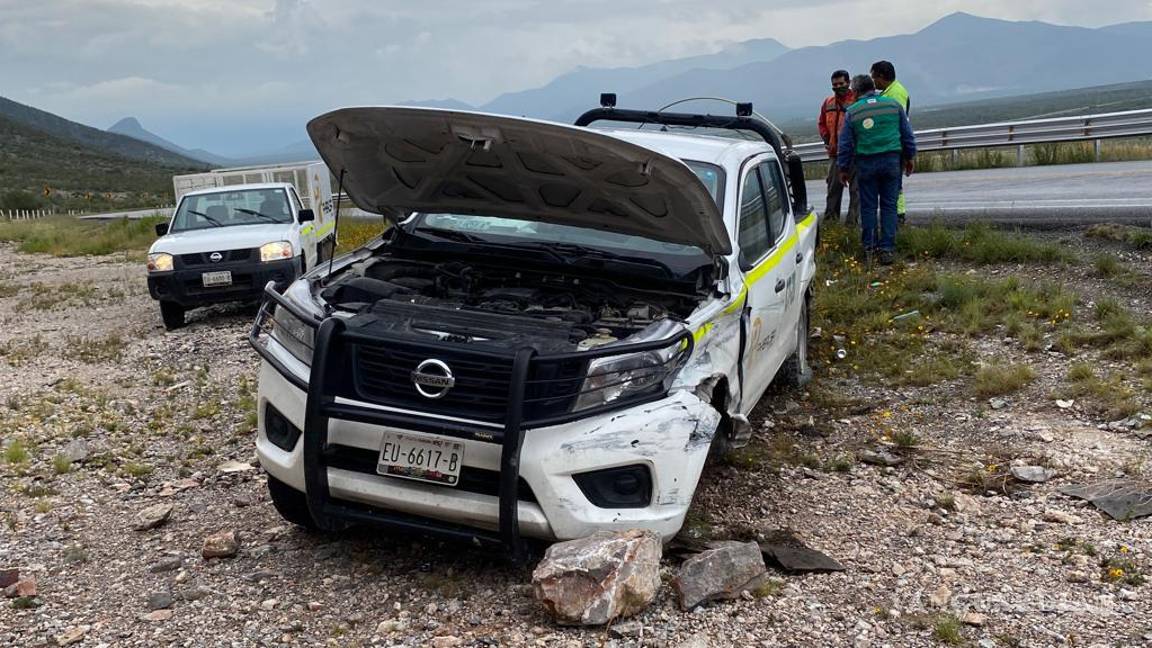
[
  {"x": 221, "y": 278},
  {"x": 429, "y": 460}
]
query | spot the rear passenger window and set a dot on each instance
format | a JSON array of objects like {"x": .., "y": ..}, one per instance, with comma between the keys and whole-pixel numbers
[
  {"x": 754, "y": 239},
  {"x": 775, "y": 199}
]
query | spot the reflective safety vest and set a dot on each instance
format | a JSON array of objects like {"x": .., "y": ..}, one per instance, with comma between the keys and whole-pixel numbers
[{"x": 875, "y": 121}]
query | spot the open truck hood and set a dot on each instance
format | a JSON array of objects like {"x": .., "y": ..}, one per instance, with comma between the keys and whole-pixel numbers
[{"x": 398, "y": 160}]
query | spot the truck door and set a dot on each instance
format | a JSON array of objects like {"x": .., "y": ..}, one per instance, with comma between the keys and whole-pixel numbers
[
  {"x": 307, "y": 232},
  {"x": 769, "y": 266}
]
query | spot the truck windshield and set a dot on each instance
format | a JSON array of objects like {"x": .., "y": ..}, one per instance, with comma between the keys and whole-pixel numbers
[
  {"x": 226, "y": 208},
  {"x": 494, "y": 228}
]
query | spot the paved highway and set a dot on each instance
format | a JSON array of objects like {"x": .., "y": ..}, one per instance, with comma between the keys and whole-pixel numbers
[{"x": 1048, "y": 196}]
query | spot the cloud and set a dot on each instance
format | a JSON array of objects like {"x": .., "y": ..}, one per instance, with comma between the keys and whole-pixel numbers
[{"x": 235, "y": 74}]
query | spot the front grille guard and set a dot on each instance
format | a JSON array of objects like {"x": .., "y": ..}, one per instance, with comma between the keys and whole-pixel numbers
[{"x": 329, "y": 366}]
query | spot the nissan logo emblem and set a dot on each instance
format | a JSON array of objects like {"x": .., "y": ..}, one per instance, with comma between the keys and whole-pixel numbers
[
  {"x": 433, "y": 378},
  {"x": 216, "y": 257}
]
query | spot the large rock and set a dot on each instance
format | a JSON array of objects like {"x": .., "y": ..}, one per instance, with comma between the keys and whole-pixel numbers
[
  {"x": 77, "y": 451},
  {"x": 600, "y": 578},
  {"x": 720, "y": 573},
  {"x": 152, "y": 517},
  {"x": 224, "y": 544}
]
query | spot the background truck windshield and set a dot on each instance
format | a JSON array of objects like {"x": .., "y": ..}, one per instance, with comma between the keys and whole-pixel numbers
[
  {"x": 225, "y": 208},
  {"x": 491, "y": 226}
]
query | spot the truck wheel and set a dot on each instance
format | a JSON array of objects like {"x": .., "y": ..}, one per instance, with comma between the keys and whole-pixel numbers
[
  {"x": 795, "y": 372},
  {"x": 172, "y": 314},
  {"x": 291, "y": 504}
]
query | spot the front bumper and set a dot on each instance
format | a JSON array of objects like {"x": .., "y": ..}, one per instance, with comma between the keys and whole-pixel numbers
[
  {"x": 671, "y": 437},
  {"x": 184, "y": 286},
  {"x": 522, "y": 473}
]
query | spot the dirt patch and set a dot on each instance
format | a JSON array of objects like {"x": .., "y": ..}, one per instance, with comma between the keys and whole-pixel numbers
[{"x": 168, "y": 418}]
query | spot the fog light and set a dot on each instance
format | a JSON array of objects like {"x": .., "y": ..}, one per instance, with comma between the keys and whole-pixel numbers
[
  {"x": 623, "y": 487},
  {"x": 279, "y": 429}
]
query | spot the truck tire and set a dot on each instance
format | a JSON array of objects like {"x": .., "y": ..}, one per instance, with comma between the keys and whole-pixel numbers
[
  {"x": 291, "y": 504},
  {"x": 795, "y": 372},
  {"x": 172, "y": 314}
]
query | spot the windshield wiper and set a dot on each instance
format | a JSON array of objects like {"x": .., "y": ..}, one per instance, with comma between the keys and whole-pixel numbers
[
  {"x": 452, "y": 235},
  {"x": 570, "y": 250},
  {"x": 257, "y": 214},
  {"x": 206, "y": 217}
]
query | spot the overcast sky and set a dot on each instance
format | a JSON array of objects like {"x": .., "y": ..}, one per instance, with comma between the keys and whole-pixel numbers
[{"x": 231, "y": 75}]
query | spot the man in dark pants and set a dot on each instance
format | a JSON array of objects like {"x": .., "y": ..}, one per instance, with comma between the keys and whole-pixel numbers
[
  {"x": 884, "y": 76},
  {"x": 831, "y": 121},
  {"x": 878, "y": 140}
]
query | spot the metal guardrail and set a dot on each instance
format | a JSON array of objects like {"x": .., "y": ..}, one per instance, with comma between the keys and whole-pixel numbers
[{"x": 1130, "y": 123}]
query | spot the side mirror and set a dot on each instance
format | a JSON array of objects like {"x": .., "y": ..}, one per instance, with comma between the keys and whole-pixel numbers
[
  {"x": 305, "y": 215},
  {"x": 161, "y": 229},
  {"x": 796, "y": 179}
]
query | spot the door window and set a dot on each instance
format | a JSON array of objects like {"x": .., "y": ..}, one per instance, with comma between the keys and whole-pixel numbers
[
  {"x": 775, "y": 194},
  {"x": 754, "y": 236}
]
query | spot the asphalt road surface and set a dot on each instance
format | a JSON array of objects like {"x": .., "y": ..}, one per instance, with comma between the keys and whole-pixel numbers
[{"x": 1048, "y": 196}]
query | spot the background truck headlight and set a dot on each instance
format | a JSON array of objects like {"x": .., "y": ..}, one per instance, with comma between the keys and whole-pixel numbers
[
  {"x": 159, "y": 262},
  {"x": 275, "y": 251},
  {"x": 633, "y": 375}
]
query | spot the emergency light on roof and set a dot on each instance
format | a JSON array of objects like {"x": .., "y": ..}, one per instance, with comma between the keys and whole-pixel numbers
[{"x": 607, "y": 99}]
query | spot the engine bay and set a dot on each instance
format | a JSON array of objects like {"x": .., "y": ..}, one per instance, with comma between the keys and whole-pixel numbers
[{"x": 588, "y": 312}]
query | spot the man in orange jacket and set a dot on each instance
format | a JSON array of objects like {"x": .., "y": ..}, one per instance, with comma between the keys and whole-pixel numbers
[{"x": 832, "y": 116}]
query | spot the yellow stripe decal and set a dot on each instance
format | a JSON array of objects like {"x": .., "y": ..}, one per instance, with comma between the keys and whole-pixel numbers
[{"x": 757, "y": 273}]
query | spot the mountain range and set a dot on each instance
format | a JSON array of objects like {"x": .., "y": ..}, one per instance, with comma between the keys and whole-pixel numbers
[{"x": 959, "y": 58}]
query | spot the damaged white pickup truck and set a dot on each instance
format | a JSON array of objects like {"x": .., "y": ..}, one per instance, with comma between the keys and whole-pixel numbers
[{"x": 559, "y": 327}]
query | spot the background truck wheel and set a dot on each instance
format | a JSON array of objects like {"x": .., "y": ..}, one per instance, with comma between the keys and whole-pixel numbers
[
  {"x": 290, "y": 504},
  {"x": 795, "y": 372},
  {"x": 172, "y": 314}
]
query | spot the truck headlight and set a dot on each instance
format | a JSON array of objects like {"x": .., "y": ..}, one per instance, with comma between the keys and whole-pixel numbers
[
  {"x": 275, "y": 251},
  {"x": 632, "y": 375},
  {"x": 293, "y": 334},
  {"x": 159, "y": 262}
]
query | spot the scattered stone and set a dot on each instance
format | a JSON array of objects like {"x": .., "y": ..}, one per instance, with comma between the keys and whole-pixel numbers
[
  {"x": 1064, "y": 404},
  {"x": 269, "y": 604},
  {"x": 235, "y": 466},
  {"x": 626, "y": 630},
  {"x": 152, "y": 517},
  {"x": 159, "y": 601},
  {"x": 72, "y": 635},
  {"x": 698, "y": 640},
  {"x": 997, "y": 403},
  {"x": 166, "y": 565},
  {"x": 940, "y": 597},
  {"x": 1122, "y": 499},
  {"x": 194, "y": 593},
  {"x": 600, "y": 578},
  {"x": 314, "y": 606},
  {"x": 158, "y": 615},
  {"x": 974, "y": 619},
  {"x": 446, "y": 642},
  {"x": 1060, "y": 517},
  {"x": 76, "y": 451},
  {"x": 880, "y": 458},
  {"x": 1077, "y": 577},
  {"x": 1031, "y": 474},
  {"x": 720, "y": 573},
  {"x": 23, "y": 588},
  {"x": 220, "y": 545},
  {"x": 965, "y": 503},
  {"x": 789, "y": 553},
  {"x": 242, "y": 500},
  {"x": 1128, "y": 595},
  {"x": 9, "y": 577}
]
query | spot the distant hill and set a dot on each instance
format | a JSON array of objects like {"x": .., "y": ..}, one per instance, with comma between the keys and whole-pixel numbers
[
  {"x": 449, "y": 104},
  {"x": 1065, "y": 103},
  {"x": 31, "y": 159},
  {"x": 956, "y": 58},
  {"x": 93, "y": 138},
  {"x": 130, "y": 126},
  {"x": 960, "y": 57},
  {"x": 570, "y": 94}
]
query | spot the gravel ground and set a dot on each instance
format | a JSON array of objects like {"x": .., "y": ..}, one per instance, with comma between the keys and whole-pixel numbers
[{"x": 167, "y": 418}]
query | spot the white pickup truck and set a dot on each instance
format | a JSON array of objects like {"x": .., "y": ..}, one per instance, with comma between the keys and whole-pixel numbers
[
  {"x": 226, "y": 243},
  {"x": 561, "y": 326}
]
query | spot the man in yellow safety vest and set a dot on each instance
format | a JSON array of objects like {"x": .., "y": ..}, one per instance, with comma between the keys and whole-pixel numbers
[{"x": 884, "y": 76}]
